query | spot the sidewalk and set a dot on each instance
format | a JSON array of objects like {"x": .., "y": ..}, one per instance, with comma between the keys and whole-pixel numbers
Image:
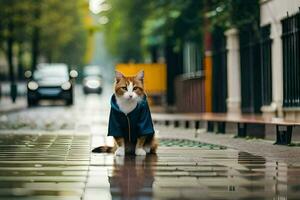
[
  {"x": 6, "y": 104},
  {"x": 53, "y": 165},
  {"x": 258, "y": 147}
]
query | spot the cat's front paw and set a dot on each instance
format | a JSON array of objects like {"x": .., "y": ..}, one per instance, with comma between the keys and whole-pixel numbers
[
  {"x": 147, "y": 149},
  {"x": 120, "y": 151},
  {"x": 140, "y": 152}
]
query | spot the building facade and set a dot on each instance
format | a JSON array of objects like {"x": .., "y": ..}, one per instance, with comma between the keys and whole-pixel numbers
[
  {"x": 255, "y": 70},
  {"x": 283, "y": 20}
]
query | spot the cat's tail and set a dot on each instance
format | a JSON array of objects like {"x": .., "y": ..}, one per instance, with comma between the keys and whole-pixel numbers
[{"x": 104, "y": 149}]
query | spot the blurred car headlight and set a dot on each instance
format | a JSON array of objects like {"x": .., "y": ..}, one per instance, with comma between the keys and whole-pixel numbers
[
  {"x": 92, "y": 83},
  {"x": 32, "y": 85},
  {"x": 73, "y": 73},
  {"x": 66, "y": 86}
]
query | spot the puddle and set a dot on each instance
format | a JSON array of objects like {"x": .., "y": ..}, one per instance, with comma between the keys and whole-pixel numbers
[{"x": 234, "y": 175}]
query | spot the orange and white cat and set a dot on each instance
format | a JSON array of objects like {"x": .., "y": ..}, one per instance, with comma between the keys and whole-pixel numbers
[{"x": 130, "y": 121}]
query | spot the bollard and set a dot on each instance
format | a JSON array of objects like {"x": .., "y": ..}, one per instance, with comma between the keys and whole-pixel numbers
[
  {"x": 13, "y": 92},
  {"x": 283, "y": 134},
  {"x": 186, "y": 124},
  {"x": 221, "y": 127},
  {"x": 242, "y": 130},
  {"x": 210, "y": 126}
]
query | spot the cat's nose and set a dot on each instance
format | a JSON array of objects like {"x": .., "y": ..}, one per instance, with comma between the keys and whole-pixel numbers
[{"x": 130, "y": 96}]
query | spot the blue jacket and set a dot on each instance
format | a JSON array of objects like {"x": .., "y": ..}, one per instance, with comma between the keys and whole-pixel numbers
[{"x": 133, "y": 125}]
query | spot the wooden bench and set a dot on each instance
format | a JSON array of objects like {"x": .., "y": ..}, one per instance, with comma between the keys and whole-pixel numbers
[{"x": 284, "y": 128}]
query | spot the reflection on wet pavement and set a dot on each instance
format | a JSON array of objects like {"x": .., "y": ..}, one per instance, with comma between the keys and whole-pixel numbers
[
  {"x": 132, "y": 177},
  {"x": 61, "y": 167},
  {"x": 43, "y": 166}
]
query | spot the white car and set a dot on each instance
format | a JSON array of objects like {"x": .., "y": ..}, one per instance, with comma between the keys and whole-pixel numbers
[{"x": 92, "y": 79}]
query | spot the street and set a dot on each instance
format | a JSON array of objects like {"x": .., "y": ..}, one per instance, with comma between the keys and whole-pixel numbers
[{"x": 46, "y": 154}]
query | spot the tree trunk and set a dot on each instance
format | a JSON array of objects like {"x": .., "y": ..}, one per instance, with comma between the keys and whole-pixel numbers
[
  {"x": 9, "y": 54},
  {"x": 35, "y": 48},
  {"x": 20, "y": 62},
  {"x": 35, "y": 38}
]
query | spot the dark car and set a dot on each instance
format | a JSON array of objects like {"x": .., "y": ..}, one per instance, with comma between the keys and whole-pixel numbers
[
  {"x": 50, "y": 81},
  {"x": 92, "y": 79}
]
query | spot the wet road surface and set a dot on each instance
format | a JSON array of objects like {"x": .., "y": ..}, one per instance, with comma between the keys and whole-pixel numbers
[{"x": 45, "y": 155}]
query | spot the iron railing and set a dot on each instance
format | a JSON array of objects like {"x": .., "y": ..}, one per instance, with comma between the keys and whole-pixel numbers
[
  {"x": 291, "y": 59},
  {"x": 266, "y": 64},
  {"x": 250, "y": 57},
  {"x": 219, "y": 72},
  {"x": 190, "y": 95}
]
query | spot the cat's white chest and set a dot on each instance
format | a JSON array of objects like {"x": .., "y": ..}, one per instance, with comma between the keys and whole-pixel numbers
[{"x": 126, "y": 106}]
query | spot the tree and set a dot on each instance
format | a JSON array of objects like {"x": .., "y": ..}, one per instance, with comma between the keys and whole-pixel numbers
[
  {"x": 48, "y": 28},
  {"x": 123, "y": 31},
  {"x": 233, "y": 13},
  {"x": 12, "y": 23},
  {"x": 62, "y": 34},
  {"x": 135, "y": 27}
]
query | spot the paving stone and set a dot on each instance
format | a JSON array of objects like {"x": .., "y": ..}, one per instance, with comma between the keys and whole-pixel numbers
[
  {"x": 62, "y": 167},
  {"x": 43, "y": 167},
  {"x": 97, "y": 193}
]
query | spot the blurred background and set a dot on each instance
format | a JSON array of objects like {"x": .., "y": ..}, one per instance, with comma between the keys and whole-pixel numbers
[{"x": 239, "y": 56}]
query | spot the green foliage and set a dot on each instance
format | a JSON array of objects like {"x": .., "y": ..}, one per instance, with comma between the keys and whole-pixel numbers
[
  {"x": 136, "y": 26},
  {"x": 123, "y": 31},
  {"x": 62, "y": 35},
  {"x": 176, "y": 19},
  {"x": 233, "y": 13},
  {"x": 14, "y": 20}
]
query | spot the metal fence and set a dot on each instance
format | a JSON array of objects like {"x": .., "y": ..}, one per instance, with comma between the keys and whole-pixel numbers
[
  {"x": 219, "y": 72},
  {"x": 291, "y": 59},
  {"x": 250, "y": 57},
  {"x": 266, "y": 64},
  {"x": 190, "y": 96}
]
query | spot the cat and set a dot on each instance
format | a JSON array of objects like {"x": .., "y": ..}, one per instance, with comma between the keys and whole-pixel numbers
[{"x": 130, "y": 121}]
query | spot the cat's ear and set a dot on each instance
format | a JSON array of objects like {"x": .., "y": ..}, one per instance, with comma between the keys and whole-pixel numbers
[
  {"x": 119, "y": 76},
  {"x": 140, "y": 76}
]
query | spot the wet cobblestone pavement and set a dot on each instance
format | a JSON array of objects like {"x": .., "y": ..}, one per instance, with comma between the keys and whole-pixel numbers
[
  {"x": 43, "y": 166},
  {"x": 45, "y": 155},
  {"x": 50, "y": 166}
]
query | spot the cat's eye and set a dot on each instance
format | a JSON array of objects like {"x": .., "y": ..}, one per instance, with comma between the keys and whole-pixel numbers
[
  {"x": 135, "y": 88},
  {"x": 124, "y": 88}
]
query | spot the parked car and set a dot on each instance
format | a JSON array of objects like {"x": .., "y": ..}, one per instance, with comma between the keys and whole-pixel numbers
[
  {"x": 50, "y": 81},
  {"x": 92, "y": 79}
]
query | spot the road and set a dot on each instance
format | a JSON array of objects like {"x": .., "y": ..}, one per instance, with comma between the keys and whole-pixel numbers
[{"x": 45, "y": 154}]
